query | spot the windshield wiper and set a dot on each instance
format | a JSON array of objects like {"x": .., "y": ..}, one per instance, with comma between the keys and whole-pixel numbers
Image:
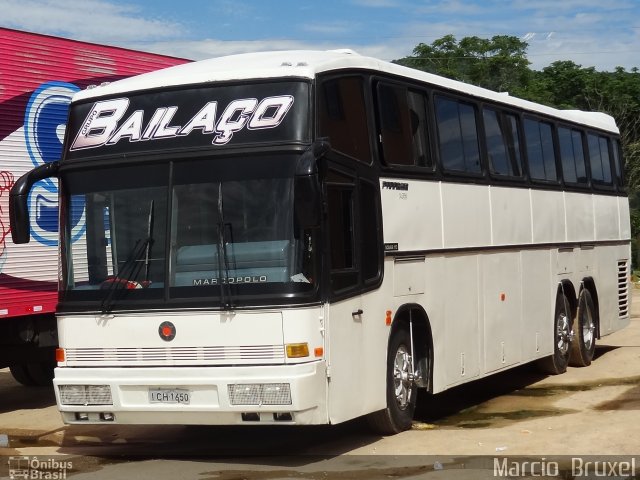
[
  {"x": 124, "y": 279},
  {"x": 223, "y": 258}
]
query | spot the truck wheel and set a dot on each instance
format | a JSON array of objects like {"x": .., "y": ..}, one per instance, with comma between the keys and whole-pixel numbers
[
  {"x": 21, "y": 374},
  {"x": 584, "y": 342},
  {"x": 401, "y": 388},
  {"x": 557, "y": 363},
  {"x": 41, "y": 373}
]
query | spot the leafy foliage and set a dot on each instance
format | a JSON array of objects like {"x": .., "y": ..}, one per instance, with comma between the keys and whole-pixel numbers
[{"x": 499, "y": 63}]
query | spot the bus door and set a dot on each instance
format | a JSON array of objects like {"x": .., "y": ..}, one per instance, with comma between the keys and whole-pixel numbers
[{"x": 353, "y": 260}]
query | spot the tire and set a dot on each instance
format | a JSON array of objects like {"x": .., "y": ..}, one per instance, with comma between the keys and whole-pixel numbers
[
  {"x": 584, "y": 341},
  {"x": 401, "y": 389},
  {"x": 41, "y": 373},
  {"x": 21, "y": 374},
  {"x": 557, "y": 363}
]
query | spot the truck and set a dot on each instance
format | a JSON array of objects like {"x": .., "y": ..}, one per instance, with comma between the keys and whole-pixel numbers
[{"x": 39, "y": 74}]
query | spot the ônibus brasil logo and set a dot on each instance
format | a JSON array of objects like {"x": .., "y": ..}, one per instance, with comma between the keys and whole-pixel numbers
[{"x": 102, "y": 125}]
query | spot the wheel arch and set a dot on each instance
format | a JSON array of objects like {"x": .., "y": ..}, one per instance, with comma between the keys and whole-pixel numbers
[{"x": 422, "y": 334}]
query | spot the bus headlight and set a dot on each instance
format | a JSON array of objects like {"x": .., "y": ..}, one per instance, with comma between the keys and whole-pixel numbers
[
  {"x": 260, "y": 394},
  {"x": 85, "y": 395}
]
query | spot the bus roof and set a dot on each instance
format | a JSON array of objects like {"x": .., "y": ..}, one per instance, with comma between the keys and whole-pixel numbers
[{"x": 309, "y": 63}]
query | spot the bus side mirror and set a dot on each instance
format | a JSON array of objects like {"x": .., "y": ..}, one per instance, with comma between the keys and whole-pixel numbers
[{"x": 19, "y": 197}]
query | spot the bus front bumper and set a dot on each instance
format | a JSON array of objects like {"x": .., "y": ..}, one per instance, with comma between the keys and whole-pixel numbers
[{"x": 284, "y": 394}]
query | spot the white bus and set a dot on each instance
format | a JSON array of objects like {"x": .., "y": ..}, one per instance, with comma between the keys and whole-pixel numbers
[{"x": 309, "y": 237}]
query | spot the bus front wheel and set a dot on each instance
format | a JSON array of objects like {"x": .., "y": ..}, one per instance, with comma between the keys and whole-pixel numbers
[
  {"x": 584, "y": 342},
  {"x": 401, "y": 390},
  {"x": 556, "y": 363}
]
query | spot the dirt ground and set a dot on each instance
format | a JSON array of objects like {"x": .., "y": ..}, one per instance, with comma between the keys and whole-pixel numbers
[{"x": 586, "y": 411}]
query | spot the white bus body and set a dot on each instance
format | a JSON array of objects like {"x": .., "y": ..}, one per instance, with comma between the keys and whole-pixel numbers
[{"x": 479, "y": 272}]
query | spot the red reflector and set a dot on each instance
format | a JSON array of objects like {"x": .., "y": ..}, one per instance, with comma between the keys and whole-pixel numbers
[{"x": 167, "y": 331}]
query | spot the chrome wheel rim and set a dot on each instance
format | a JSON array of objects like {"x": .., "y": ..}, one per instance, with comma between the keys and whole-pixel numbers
[
  {"x": 588, "y": 329},
  {"x": 403, "y": 377},
  {"x": 563, "y": 334}
]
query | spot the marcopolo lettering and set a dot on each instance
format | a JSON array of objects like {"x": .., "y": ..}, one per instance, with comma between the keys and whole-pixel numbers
[
  {"x": 199, "y": 282},
  {"x": 104, "y": 124}
]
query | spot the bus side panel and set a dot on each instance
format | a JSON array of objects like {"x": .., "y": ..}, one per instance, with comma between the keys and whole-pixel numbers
[
  {"x": 548, "y": 217},
  {"x": 466, "y": 215},
  {"x": 459, "y": 288},
  {"x": 623, "y": 214},
  {"x": 412, "y": 217},
  {"x": 539, "y": 286},
  {"x": 579, "y": 214},
  {"x": 502, "y": 316},
  {"x": 510, "y": 216},
  {"x": 607, "y": 220}
]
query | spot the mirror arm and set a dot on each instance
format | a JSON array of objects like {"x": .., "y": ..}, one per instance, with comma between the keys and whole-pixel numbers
[{"x": 19, "y": 197}]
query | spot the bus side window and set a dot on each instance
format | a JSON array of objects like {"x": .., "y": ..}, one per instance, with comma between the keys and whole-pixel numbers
[
  {"x": 341, "y": 216},
  {"x": 503, "y": 143},
  {"x": 572, "y": 155},
  {"x": 599, "y": 159},
  {"x": 343, "y": 117},
  {"x": 617, "y": 163},
  {"x": 355, "y": 244},
  {"x": 371, "y": 250},
  {"x": 457, "y": 136},
  {"x": 540, "y": 151},
  {"x": 403, "y": 126}
]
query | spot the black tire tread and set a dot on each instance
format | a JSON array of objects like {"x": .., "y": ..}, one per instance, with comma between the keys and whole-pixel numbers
[
  {"x": 580, "y": 356},
  {"x": 20, "y": 373}
]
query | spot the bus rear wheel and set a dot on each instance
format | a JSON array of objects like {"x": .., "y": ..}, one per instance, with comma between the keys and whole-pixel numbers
[
  {"x": 584, "y": 342},
  {"x": 401, "y": 389},
  {"x": 557, "y": 363}
]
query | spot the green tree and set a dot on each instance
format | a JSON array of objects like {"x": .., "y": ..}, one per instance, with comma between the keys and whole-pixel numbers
[{"x": 499, "y": 63}]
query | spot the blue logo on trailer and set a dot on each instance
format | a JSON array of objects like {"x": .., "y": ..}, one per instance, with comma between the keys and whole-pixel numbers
[{"x": 44, "y": 124}]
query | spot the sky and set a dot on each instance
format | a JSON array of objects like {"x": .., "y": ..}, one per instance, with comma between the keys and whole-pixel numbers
[{"x": 593, "y": 33}]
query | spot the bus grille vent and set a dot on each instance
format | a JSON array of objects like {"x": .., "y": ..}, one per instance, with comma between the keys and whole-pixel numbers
[
  {"x": 176, "y": 355},
  {"x": 623, "y": 289}
]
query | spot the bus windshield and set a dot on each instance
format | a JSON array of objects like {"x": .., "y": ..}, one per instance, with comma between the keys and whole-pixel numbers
[{"x": 187, "y": 230}]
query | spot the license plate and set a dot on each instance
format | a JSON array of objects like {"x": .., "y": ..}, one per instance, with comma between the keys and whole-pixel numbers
[{"x": 169, "y": 395}]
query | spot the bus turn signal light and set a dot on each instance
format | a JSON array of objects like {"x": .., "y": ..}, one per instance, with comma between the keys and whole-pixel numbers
[
  {"x": 387, "y": 318},
  {"x": 297, "y": 350},
  {"x": 60, "y": 357}
]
